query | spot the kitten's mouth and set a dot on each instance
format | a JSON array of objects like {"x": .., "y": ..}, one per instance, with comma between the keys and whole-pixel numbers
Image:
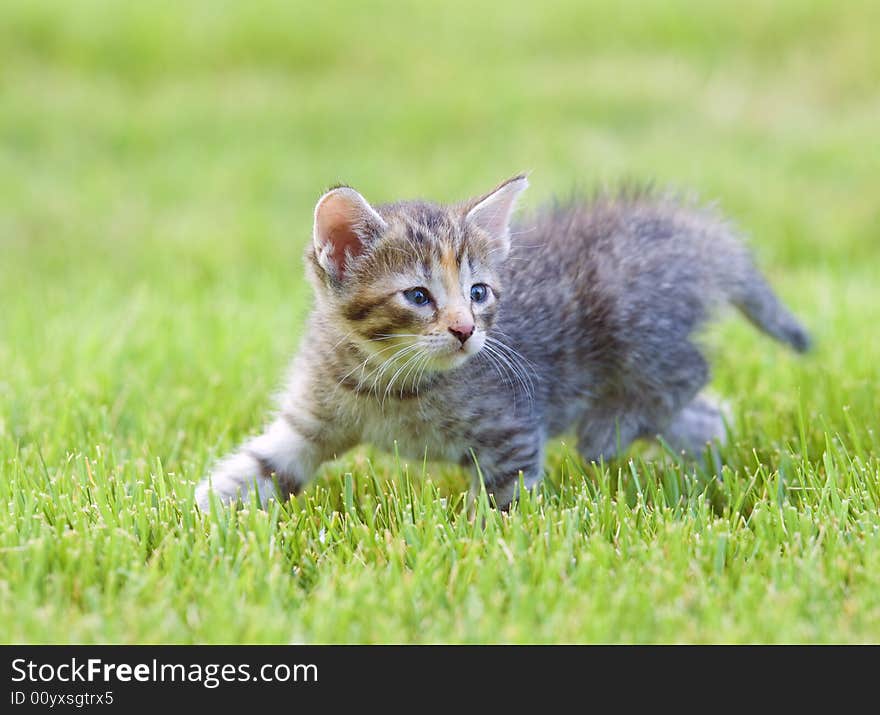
[
  {"x": 457, "y": 354},
  {"x": 474, "y": 344},
  {"x": 451, "y": 361}
]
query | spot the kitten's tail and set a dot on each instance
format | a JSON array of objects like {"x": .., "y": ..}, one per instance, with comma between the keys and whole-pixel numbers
[
  {"x": 741, "y": 282},
  {"x": 756, "y": 300}
]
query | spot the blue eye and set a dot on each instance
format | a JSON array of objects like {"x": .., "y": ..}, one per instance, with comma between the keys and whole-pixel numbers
[
  {"x": 417, "y": 296},
  {"x": 479, "y": 292}
]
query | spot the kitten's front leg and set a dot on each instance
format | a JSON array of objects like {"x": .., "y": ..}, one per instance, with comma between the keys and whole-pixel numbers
[
  {"x": 279, "y": 462},
  {"x": 501, "y": 456}
]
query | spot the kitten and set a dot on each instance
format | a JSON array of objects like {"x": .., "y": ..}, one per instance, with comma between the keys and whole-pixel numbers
[{"x": 445, "y": 333}]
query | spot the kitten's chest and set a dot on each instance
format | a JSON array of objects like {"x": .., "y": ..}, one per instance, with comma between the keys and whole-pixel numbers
[{"x": 415, "y": 429}]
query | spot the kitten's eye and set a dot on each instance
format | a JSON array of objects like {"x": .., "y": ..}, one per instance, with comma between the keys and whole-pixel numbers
[
  {"x": 417, "y": 296},
  {"x": 479, "y": 292}
]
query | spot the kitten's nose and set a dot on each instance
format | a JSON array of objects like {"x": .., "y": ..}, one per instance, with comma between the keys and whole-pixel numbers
[{"x": 462, "y": 331}]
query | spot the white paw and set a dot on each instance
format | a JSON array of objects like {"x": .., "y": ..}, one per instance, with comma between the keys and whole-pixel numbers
[{"x": 233, "y": 479}]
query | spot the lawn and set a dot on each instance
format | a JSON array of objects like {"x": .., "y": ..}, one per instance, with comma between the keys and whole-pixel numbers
[{"x": 159, "y": 163}]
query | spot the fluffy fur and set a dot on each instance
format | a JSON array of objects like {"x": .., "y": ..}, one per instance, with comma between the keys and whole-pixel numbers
[{"x": 587, "y": 324}]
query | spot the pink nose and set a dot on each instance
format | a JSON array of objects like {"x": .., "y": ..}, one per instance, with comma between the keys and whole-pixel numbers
[{"x": 462, "y": 331}]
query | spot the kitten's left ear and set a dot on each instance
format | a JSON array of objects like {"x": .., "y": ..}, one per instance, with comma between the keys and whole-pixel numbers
[
  {"x": 345, "y": 224},
  {"x": 492, "y": 212}
]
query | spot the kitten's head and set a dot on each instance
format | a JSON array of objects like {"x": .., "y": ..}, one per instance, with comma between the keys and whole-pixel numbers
[{"x": 413, "y": 281}]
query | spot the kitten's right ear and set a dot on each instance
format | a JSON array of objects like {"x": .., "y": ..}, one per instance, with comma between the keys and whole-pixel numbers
[
  {"x": 344, "y": 225},
  {"x": 492, "y": 212}
]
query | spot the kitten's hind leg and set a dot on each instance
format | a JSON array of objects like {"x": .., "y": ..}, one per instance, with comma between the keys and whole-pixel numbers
[
  {"x": 601, "y": 437},
  {"x": 699, "y": 424}
]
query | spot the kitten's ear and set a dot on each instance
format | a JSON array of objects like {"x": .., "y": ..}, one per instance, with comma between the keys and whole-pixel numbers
[
  {"x": 345, "y": 224},
  {"x": 492, "y": 212}
]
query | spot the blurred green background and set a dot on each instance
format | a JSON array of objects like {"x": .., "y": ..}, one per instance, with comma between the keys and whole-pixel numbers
[{"x": 159, "y": 163}]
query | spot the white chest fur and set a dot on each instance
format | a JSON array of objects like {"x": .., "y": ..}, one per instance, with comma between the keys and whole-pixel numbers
[{"x": 410, "y": 427}]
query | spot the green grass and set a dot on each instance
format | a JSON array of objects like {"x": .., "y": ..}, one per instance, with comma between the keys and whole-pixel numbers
[{"x": 158, "y": 168}]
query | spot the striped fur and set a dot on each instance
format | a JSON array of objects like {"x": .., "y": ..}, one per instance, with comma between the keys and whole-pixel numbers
[{"x": 588, "y": 325}]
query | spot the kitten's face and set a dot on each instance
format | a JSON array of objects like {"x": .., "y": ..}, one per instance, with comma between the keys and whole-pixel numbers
[
  {"x": 429, "y": 289},
  {"x": 413, "y": 283}
]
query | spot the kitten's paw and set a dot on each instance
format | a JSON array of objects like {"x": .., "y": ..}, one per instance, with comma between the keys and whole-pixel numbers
[
  {"x": 232, "y": 480},
  {"x": 702, "y": 423},
  {"x": 714, "y": 418},
  {"x": 203, "y": 494}
]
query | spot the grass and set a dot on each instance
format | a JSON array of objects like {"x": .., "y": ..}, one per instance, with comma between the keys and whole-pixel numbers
[{"x": 158, "y": 167}]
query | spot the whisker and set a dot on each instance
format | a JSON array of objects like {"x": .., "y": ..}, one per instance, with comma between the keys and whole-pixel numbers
[
  {"x": 364, "y": 363},
  {"x": 412, "y": 372},
  {"x": 383, "y": 368},
  {"x": 497, "y": 368},
  {"x": 394, "y": 376},
  {"x": 387, "y": 336},
  {"x": 426, "y": 361},
  {"x": 407, "y": 364},
  {"x": 515, "y": 362},
  {"x": 342, "y": 340},
  {"x": 509, "y": 348},
  {"x": 525, "y": 362},
  {"x": 514, "y": 378}
]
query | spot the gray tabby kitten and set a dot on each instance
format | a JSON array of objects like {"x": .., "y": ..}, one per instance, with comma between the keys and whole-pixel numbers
[{"x": 440, "y": 330}]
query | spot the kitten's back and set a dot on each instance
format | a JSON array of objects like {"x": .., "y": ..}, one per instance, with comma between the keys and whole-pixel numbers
[{"x": 649, "y": 263}]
